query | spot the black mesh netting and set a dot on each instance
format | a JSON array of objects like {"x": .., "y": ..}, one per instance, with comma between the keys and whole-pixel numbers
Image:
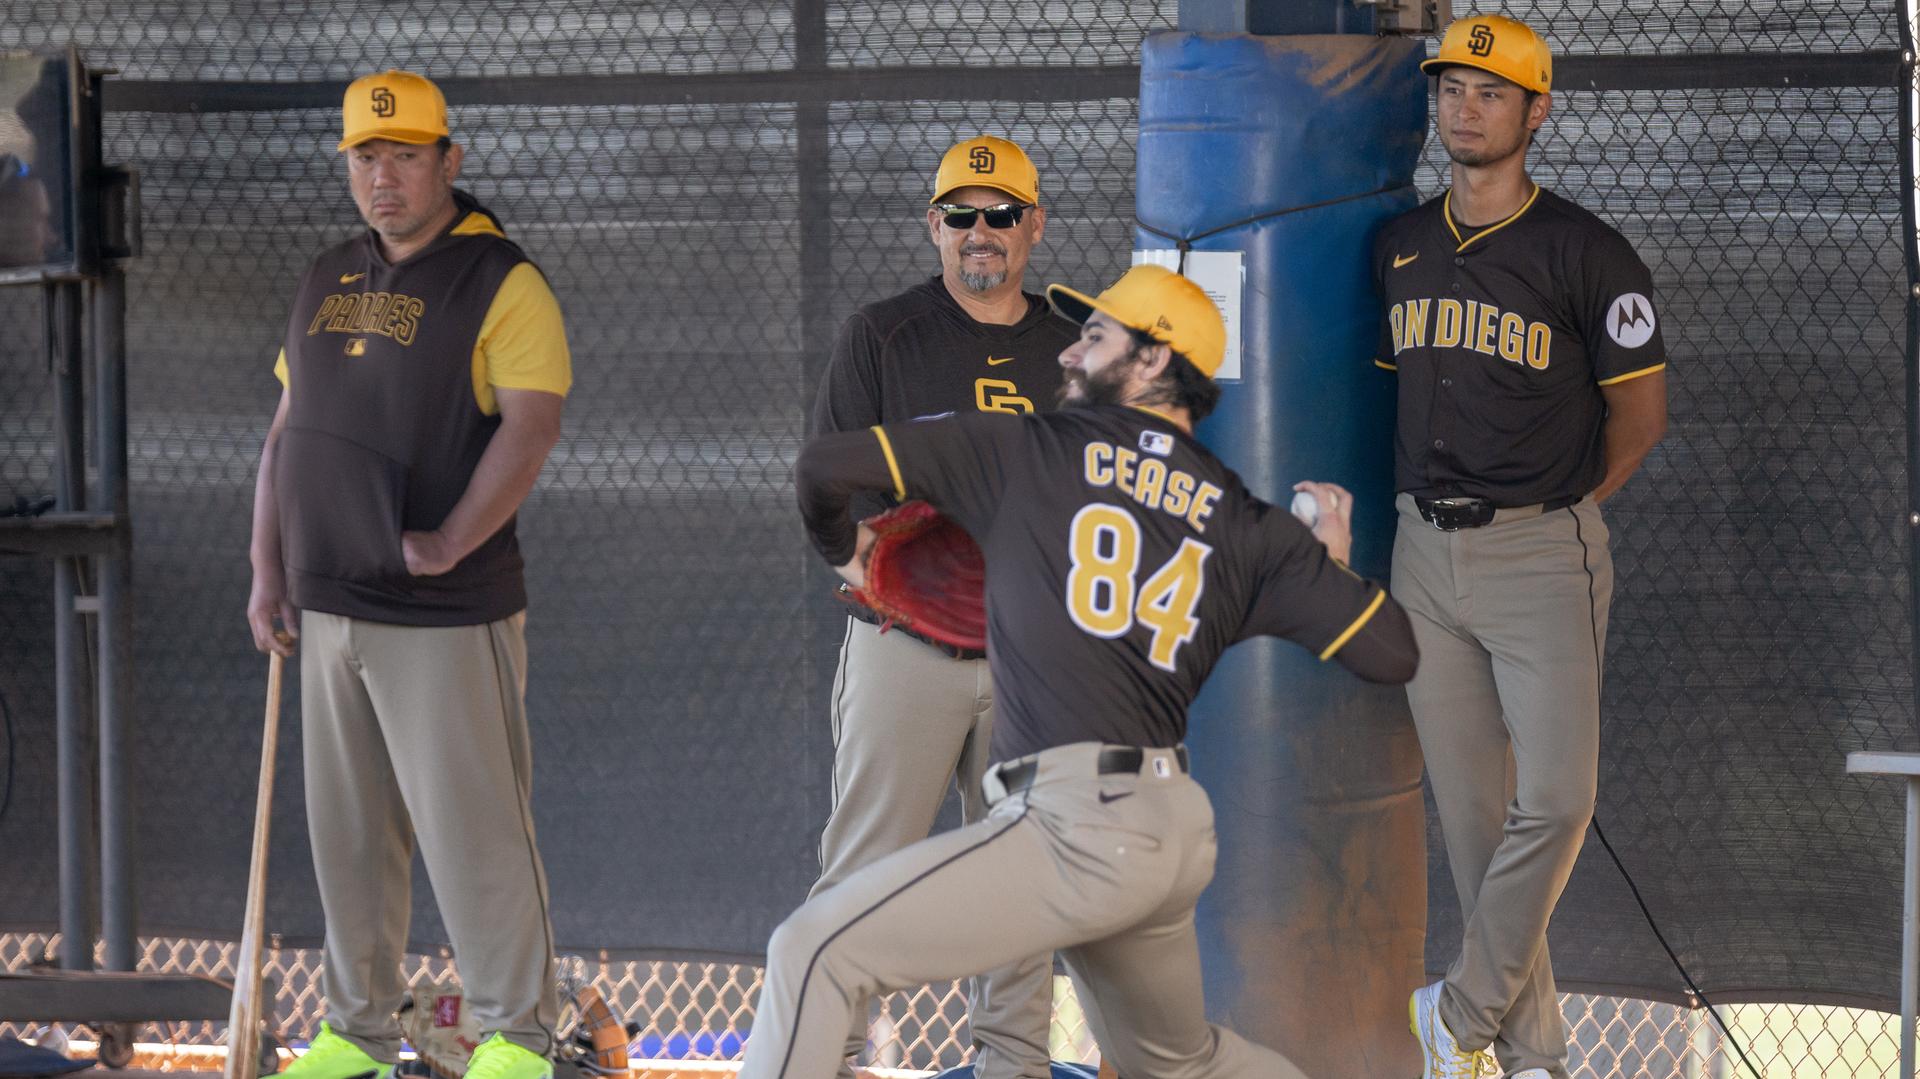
[{"x": 704, "y": 248}]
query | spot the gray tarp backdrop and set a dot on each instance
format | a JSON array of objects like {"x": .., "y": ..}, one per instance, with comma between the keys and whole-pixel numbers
[{"x": 712, "y": 188}]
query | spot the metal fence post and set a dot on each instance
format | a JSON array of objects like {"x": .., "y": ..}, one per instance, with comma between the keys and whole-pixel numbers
[
  {"x": 115, "y": 672},
  {"x": 72, "y": 703},
  {"x": 1906, "y": 765}
]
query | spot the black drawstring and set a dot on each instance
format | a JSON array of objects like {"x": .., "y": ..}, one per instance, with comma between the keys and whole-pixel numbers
[{"x": 1184, "y": 244}]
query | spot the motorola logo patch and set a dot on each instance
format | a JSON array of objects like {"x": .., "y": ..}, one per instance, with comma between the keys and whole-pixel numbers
[{"x": 1630, "y": 320}]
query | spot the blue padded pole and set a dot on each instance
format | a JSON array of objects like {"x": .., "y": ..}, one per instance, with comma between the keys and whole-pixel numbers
[{"x": 1292, "y": 150}]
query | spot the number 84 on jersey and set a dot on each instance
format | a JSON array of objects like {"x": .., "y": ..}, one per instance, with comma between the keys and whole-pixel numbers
[{"x": 1105, "y": 597}]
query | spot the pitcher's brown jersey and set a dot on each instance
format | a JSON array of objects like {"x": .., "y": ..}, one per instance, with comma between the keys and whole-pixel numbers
[{"x": 1122, "y": 559}]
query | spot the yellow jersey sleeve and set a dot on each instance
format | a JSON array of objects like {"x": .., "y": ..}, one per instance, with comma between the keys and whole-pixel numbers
[
  {"x": 280, "y": 368},
  {"x": 523, "y": 341}
]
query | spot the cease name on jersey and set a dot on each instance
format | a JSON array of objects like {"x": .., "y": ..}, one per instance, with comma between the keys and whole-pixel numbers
[
  {"x": 1151, "y": 482},
  {"x": 389, "y": 314},
  {"x": 1470, "y": 324}
]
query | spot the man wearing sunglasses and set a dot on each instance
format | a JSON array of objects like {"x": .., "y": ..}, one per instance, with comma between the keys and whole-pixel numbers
[{"x": 910, "y": 716}]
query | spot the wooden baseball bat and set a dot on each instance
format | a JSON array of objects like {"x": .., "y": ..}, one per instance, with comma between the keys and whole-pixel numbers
[{"x": 243, "y": 1022}]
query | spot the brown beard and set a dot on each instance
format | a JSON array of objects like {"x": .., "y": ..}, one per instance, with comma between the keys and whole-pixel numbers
[{"x": 1104, "y": 388}]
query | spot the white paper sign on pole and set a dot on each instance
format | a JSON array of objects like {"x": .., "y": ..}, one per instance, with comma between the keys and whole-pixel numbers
[{"x": 1222, "y": 275}]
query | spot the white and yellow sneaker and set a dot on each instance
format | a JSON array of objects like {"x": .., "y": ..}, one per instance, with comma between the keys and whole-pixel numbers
[{"x": 1443, "y": 1057}]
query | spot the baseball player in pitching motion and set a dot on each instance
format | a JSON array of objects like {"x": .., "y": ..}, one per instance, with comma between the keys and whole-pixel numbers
[
  {"x": 967, "y": 340},
  {"x": 1531, "y": 386},
  {"x": 1122, "y": 560}
]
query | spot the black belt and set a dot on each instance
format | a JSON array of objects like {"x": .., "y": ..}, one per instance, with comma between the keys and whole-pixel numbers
[
  {"x": 872, "y": 618},
  {"x": 1454, "y": 514},
  {"x": 1114, "y": 760}
]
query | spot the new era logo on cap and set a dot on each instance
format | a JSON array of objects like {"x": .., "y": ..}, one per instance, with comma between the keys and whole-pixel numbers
[{"x": 1164, "y": 324}]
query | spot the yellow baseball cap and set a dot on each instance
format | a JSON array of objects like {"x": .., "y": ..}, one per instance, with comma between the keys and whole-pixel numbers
[
  {"x": 1497, "y": 45},
  {"x": 1159, "y": 303},
  {"x": 397, "y": 105},
  {"x": 987, "y": 162}
]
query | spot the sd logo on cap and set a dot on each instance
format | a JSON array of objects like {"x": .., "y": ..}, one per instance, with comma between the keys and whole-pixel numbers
[
  {"x": 396, "y": 105},
  {"x": 987, "y": 162},
  {"x": 1499, "y": 46}
]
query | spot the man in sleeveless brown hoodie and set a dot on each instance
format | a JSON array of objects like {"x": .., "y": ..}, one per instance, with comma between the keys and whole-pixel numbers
[{"x": 423, "y": 371}]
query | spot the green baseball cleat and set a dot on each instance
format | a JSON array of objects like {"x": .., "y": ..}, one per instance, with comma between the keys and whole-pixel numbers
[
  {"x": 498, "y": 1058},
  {"x": 333, "y": 1057}
]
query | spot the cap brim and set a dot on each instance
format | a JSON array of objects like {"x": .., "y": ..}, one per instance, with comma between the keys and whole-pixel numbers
[
  {"x": 1019, "y": 196},
  {"x": 1436, "y": 65},
  {"x": 1074, "y": 306},
  {"x": 412, "y": 136},
  {"x": 1079, "y": 307}
]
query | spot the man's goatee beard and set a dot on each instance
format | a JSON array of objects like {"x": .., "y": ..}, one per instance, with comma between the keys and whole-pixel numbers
[{"x": 981, "y": 282}]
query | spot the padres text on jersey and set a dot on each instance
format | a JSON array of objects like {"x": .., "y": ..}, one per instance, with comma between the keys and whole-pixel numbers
[{"x": 389, "y": 314}]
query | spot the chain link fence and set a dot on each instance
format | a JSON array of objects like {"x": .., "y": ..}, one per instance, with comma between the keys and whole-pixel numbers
[
  {"x": 683, "y": 1010},
  {"x": 692, "y": 1011},
  {"x": 711, "y": 188}
]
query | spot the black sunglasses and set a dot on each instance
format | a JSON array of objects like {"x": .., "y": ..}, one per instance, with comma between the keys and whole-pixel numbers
[{"x": 1004, "y": 216}]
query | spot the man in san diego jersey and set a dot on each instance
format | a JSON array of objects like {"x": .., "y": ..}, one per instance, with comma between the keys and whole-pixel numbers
[
  {"x": 1532, "y": 384},
  {"x": 1122, "y": 559}
]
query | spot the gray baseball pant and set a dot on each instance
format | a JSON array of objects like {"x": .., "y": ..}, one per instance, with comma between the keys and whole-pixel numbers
[
  {"x": 1102, "y": 868},
  {"x": 1511, "y": 620},
  {"x": 907, "y": 721},
  {"x": 414, "y": 731}
]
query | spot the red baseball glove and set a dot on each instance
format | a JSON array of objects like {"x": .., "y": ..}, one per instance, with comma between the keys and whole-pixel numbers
[{"x": 924, "y": 573}]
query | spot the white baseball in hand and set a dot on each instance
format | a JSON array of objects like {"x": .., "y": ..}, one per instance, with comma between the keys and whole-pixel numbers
[{"x": 1306, "y": 507}]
